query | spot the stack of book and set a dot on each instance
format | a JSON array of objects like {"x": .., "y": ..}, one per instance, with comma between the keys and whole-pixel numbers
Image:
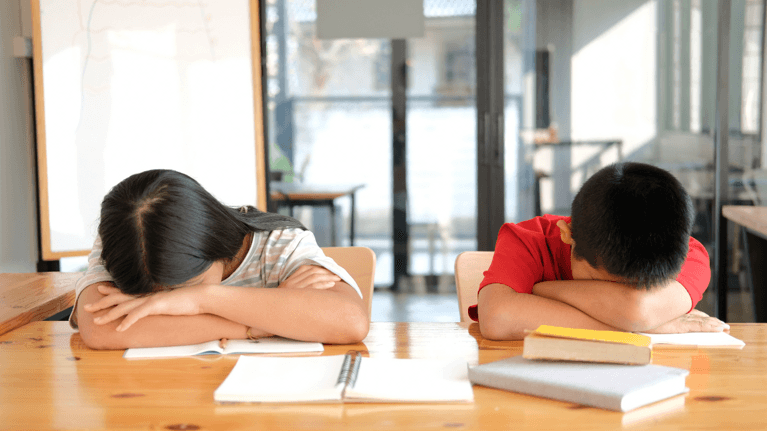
[{"x": 605, "y": 369}]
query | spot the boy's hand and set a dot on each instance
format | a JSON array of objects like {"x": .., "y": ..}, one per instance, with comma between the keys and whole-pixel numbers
[{"x": 694, "y": 321}]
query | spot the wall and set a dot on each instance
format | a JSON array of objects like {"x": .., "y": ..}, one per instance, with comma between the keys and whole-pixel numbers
[
  {"x": 18, "y": 216},
  {"x": 614, "y": 68},
  {"x": 554, "y": 33}
]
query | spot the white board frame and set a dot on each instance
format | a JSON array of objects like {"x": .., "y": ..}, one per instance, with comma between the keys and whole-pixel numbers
[{"x": 261, "y": 169}]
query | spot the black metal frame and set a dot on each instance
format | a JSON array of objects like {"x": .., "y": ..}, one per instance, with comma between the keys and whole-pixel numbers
[
  {"x": 490, "y": 122},
  {"x": 400, "y": 228},
  {"x": 721, "y": 159}
]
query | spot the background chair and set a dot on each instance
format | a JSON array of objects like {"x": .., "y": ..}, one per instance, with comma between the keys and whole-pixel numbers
[
  {"x": 360, "y": 263},
  {"x": 469, "y": 269}
]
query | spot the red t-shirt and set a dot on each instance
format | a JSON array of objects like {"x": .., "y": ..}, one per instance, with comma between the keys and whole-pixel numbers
[{"x": 532, "y": 251}]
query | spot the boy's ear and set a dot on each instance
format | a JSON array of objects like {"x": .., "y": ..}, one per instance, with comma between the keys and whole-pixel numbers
[{"x": 565, "y": 232}]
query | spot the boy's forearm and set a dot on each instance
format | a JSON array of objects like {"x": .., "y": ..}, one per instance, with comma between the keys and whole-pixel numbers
[
  {"x": 620, "y": 305},
  {"x": 505, "y": 314}
]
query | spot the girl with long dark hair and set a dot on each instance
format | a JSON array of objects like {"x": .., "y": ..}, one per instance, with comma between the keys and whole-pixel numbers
[{"x": 172, "y": 265}]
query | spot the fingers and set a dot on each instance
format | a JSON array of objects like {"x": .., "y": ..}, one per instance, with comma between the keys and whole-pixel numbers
[
  {"x": 118, "y": 311},
  {"x": 712, "y": 324},
  {"x": 106, "y": 289},
  {"x": 108, "y": 301},
  {"x": 134, "y": 315}
]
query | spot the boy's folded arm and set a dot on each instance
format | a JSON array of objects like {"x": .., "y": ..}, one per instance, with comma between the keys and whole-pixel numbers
[
  {"x": 152, "y": 331},
  {"x": 505, "y": 314},
  {"x": 620, "y": 305}
]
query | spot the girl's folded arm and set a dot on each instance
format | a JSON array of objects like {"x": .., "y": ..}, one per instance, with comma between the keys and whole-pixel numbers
[
  {"x": 153, "y": 331},
  {"x": 333, "y": 315},
  {"x": 330, "y": 315}
]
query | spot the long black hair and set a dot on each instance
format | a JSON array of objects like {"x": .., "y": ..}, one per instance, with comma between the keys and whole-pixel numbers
[{"x": 161, "y": 228}]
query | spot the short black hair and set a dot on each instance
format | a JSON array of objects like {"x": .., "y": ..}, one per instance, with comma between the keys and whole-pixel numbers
[
  {"x": 160, "y": 228},
  {"x": 633, "y": 220}
]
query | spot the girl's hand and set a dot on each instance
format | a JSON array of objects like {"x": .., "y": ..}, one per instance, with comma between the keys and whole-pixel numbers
[
  {"x": 311, "y": 277},
  {"x": 112, "y": 296},
  {"x": 183, "y": 301}
]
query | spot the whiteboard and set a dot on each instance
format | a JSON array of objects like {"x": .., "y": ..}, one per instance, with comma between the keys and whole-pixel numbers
[{"x": 122, "y": 86}]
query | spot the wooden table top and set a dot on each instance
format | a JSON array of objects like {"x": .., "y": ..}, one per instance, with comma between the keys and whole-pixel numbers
[
  {"x": 29, "y": 297},
  {"x": 754, "y": 218},
  {"x": 50, "y": 380},
  {"x": 309, "y": 192}
]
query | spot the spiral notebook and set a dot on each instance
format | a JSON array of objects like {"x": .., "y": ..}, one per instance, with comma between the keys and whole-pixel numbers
[{"x": 345, "y": 378}]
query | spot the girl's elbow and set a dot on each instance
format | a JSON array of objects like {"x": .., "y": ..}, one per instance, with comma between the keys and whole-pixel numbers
[
  {"x": 97, "y": 338},
  {"x": 354, "y": 326}
]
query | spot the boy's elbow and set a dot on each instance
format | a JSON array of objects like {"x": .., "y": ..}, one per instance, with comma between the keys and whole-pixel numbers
[
  {"x": 644, "y": 312},
  {"x": 494, "y": 325}
]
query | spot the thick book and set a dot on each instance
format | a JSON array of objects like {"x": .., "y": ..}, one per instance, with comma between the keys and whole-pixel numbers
[
  {"x": 261, "y": 345},
  {"x": 345, "y": 378},
  {"x": 587, "y": 345},
  {"x": 609, "y": 386}
]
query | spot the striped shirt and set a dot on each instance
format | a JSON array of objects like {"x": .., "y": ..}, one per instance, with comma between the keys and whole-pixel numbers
[{"x": 272, "y": 258}]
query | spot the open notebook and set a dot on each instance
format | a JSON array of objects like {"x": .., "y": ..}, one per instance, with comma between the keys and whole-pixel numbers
[
  {"x": 261, "y": 345},
  {"x": 345, "y": 378},
  {"x": 695, "y": 340}
]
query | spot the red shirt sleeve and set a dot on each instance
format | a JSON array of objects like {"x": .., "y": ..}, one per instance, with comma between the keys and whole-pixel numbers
[
  {"x": 696, "y": 271},
  {"x": 523, "y": 256}
]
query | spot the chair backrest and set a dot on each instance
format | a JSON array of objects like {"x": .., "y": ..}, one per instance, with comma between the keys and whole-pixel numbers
[
  {"x": 469, "y": 269},
  {"x": 360, "y": 263}
]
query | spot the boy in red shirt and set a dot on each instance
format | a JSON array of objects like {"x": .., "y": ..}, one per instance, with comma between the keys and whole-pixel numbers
[{"x": 624, "y": 261}]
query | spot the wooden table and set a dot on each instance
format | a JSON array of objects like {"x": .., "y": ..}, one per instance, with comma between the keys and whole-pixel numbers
[
  {"x": 754, "y": 222},
  {"x": 26, "y": 298},
  {"x": 50, "y": 380},
  {"x": 292, "y": 195}
]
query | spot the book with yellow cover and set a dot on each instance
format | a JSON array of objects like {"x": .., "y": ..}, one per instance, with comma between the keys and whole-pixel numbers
[{"x": 587, "y": 345}]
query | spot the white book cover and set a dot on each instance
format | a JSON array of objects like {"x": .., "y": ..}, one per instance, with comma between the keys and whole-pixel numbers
[
  {"x": 261, "y": 345},
  {"x": 608, "y": 386}
]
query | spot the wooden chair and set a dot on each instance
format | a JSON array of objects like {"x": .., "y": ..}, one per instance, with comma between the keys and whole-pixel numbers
[
  {"x": 469, "y": 269},
  {"x": 360, "y": 263}
]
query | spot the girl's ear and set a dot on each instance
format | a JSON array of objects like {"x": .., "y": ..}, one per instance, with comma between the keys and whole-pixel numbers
[{"x": 565, "y": 232}]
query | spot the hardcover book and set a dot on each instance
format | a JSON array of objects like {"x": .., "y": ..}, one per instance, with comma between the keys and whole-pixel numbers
[
  {"x": 587, "y": 345},
  {"x": 609, "y": 386}
]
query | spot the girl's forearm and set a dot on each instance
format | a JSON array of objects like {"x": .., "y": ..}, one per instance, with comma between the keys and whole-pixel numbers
[{"x": 335, "y": 315}]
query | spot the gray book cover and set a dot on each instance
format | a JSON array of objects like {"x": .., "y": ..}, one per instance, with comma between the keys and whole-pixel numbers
[{"x": 608, "y": 386}]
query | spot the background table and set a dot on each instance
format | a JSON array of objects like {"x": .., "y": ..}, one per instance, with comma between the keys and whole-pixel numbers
[
  {"x": 50, "y": 380},
  {"x": 26, "y": 298},
  {"x": 754, "y": 222},
  {"x": 292, "y": 195}
]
